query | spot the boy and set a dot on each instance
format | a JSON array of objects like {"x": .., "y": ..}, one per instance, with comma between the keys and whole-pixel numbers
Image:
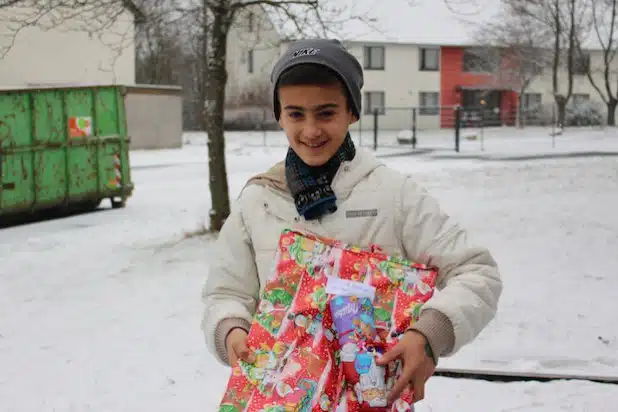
[{"x": 329, "y": 187}]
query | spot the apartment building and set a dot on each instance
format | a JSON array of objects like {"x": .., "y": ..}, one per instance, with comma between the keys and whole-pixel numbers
[{"x": 421, "y": 62}]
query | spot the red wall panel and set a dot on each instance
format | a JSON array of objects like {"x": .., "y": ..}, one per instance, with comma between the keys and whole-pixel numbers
[{"x": 452, "y": 75}]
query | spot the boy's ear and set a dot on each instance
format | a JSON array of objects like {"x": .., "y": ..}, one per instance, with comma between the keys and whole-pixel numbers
[{"x": 353, "y": 117}]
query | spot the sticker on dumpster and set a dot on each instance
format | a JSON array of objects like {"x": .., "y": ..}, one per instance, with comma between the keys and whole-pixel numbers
[{"x": 80, "y": 126}]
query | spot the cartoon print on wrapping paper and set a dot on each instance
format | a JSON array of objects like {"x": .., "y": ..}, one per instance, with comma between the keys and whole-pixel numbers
[
  {"x": 301, "y": 401},
  {"x": 236, "y": 399},
  {"x": 325, "y": 403},
  {"x": 414, "y": 310},
  {"x": 410, "y": 280},
  {"x": 401, "y": 405},
  {"x": 366, "y": 327},
  {"x": 267, "y": 360},
  {"x": 301, "y": 251},
  {"x": 371, "y": 386},
  {"x": 383, "y": 307},
  {"x": 314, "y": 326},
  {"x": 392, "y": 270},
  {"x": 277, "y": 370},
  {"x": 276, "y": 300},
  {"x": 319, "y": 298},
  {"x": 424, "y": 284},
  {"x": 324, "y": 261},
  {"x": 290, "y": 369},
  {"x": 293, "y": 386}
]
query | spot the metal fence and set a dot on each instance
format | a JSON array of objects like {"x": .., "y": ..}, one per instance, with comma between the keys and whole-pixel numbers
[{"x": 428, "y": 127}]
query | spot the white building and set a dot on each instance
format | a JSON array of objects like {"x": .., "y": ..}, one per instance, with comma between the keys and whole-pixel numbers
[
  {"x": 83, "y": 50},
  {"x": 62, "y": 50},
  {"x": 415, "y": 60}
]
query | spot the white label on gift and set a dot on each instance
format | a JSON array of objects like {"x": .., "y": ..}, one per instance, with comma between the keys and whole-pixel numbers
[{"x": 342, "y": 287}]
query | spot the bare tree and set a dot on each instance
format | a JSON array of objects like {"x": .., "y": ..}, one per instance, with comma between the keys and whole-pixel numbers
[
  {"x": 566, "y": 20},
  {"x": 523, "y": 55},
  {"x": 300, "y": 17},
  {"x": 159, "y": 47},
  {"x": 604, "y": 16}
]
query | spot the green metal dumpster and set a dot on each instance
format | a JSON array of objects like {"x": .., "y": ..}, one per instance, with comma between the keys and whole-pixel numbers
[{"x": 63, "y": 147}]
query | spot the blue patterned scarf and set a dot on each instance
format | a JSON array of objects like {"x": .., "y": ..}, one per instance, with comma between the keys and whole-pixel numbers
[{"x": 311, "y": 186}]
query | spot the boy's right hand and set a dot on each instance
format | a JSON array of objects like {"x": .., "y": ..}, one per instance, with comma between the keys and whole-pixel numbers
[{"x": 236, "y": 345}]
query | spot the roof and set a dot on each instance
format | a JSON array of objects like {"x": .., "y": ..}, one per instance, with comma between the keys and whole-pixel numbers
[
  {"x": 420, "y": 22},
  {"x": 429, "y": 22}
]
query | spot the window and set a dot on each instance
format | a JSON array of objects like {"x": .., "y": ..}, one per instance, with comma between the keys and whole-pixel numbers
[
  {"x": 480, "y": 60},
  {"x": 374, "y": 57},
  {"x": 250, "y": 22},
  {"x": 250, "y": 61},
  {"x": 373, "y": 101},
  {"x": 531, "y": 101},
  {"x": 581, "y": 64},
  {"x": 532, "y": 67},
  {"x": 429, "y": 103},
  {"x": 430, "y": 60},
  {"x": 579, "y": 99}
]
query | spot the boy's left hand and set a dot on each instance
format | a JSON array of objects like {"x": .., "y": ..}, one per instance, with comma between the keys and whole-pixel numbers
[{"x": 417, "y": 366}]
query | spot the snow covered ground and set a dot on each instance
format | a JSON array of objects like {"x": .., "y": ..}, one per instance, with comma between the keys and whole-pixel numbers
[{"x": 101, "y": 312}]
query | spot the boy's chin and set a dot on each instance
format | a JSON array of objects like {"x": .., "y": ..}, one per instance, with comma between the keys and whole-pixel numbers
[{"x": 315, "y": 159}]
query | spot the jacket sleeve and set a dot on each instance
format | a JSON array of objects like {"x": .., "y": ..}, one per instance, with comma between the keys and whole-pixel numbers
[
  {"x": 469, "y": 284},
  {"x": 230, "y": 293}
]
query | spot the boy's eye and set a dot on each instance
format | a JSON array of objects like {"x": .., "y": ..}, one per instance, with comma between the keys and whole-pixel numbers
[
  {"x": 295, "y": 115},
  {"x": 326, "y": 113}
]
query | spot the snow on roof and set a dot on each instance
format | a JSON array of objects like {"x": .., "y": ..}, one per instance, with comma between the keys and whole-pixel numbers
[
  {"x": 430, "y": 22},
  {"x": 435, "y": 22},
  {"x": 422, "y": 22}
]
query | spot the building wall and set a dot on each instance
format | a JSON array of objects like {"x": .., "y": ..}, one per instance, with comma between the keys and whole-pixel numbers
[
  {"x": 154, "y": 116},
  {"x": 453, "y": 78},
  {"x": 42, "y": 55},
  {"x": 581, "y": 83},
  {"x": 401, "y": 81},
  {"x": 253, "y": 47}
]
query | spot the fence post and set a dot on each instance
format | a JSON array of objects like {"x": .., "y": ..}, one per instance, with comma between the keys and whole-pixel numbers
[
  {"x": 457, "y": 127},
  {"x": 414, "y": 128},
  {"x": 483, "y": 122},
  {"x": 375, "y": 129},
  {"x": 360, "y": 130}
]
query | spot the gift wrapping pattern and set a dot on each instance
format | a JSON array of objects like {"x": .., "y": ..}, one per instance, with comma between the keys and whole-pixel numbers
[{"x": 298, "y": 364}]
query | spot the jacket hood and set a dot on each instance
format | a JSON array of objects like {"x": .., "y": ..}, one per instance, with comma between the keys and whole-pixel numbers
[{"x": 347, "y": 177}]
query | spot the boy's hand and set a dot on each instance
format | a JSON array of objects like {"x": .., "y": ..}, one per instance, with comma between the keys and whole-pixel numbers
[
  {"x": 417, "y": 366},
  {"x": 236, "y": 345}
]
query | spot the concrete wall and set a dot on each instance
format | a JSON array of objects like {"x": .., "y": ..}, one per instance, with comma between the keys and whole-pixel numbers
[
  {"x": 581, "y": 83},
  {"x": 154, "y": 116},
  {"x": 61, "y": 50}
]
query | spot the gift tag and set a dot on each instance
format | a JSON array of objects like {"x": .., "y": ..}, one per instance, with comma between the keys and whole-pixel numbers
[{"x": 342, "y": 287}]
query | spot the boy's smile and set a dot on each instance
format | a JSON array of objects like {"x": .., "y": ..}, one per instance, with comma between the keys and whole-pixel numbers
[{"x": 315, "y": 120}]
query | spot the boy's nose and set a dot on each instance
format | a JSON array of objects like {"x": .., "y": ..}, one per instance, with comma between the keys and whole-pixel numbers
[{"x": 311, "y": 130}]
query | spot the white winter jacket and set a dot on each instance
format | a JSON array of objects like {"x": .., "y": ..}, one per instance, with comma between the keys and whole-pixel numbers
[{"x": 376, "y": 205}]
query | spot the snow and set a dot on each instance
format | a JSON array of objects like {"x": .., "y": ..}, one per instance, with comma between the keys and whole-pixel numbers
[
  {"x": 101, "y": 311},
  {"x": 453, "y": 23}
]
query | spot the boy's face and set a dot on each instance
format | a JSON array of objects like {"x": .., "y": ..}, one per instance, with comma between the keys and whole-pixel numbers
[{"x": 315, "y": 120}]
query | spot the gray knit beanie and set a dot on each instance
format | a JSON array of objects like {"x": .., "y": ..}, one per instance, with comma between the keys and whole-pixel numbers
[{"x": 328, "y": 53}]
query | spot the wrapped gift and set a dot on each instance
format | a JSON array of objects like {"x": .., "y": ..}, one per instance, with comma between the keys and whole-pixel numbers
[{"x": 327, "y": 311}]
